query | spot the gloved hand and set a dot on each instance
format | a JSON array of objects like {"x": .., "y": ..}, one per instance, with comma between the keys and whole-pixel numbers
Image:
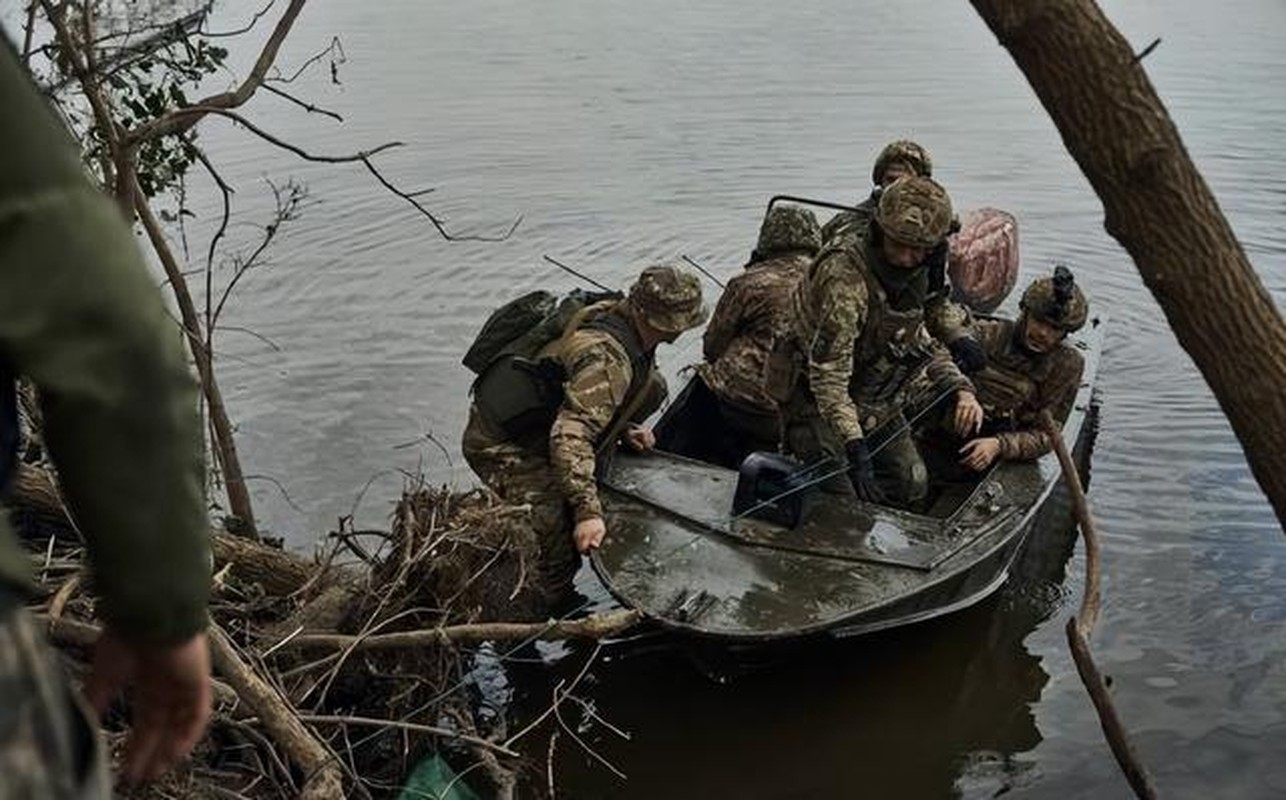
[
  {"x": 968, "y": 354},
  {"x": 862, "y": 472}
]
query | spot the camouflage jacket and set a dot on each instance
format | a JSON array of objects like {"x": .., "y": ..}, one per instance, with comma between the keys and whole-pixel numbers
[
  {"x": 842, "y": 328},
  {"x": 741, "y": 343},
  {"x": 945, "y": 319},
  {"x": 600, "y": 375},
  {"x": 81, "y": 318},
  {"x": 1016, "y": 385}
]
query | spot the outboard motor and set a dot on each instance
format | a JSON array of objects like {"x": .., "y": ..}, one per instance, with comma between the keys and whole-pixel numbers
[{"x": 769, "y": 487}]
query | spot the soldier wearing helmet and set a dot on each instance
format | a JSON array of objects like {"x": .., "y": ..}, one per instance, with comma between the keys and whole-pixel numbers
[
  {"x": 606, "y": 361},
  {"x": 859, "y": 325},
  {"x": 745, "y": 368},
  {"x": 946, "y": 320},
  {"x": 899, "y": 159},
  {"x": 1029, "y": 369}
]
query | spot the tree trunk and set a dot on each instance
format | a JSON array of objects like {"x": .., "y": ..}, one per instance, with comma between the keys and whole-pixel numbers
[{"x": 1161, "y": 211}]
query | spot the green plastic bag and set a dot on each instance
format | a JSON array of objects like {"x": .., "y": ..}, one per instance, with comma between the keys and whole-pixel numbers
[{"x": 433, "y": 779}]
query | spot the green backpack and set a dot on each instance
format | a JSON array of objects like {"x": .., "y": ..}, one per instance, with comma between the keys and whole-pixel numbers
[
  {"x": 523, "y": 326},
  {"x": 516, "y": 389}
]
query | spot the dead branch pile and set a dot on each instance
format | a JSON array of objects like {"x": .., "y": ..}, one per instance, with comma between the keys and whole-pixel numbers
[{"x": 336, "y": 675}]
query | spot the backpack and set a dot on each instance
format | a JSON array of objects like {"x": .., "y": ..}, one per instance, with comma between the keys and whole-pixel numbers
[
  {"x": 523, "y": 326},
  {"x": 515, "y": 388}
]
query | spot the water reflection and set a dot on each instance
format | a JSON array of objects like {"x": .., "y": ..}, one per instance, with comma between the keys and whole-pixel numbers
[{"x": 940, "y": 708}]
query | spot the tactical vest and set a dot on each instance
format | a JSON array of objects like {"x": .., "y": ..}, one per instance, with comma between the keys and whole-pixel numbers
[
  {"x": 893, "y": 342},
  {"x": 642, "y": 363},
  {"x": 522, "y": 396},
  {"x": 1009, "y": 382}
]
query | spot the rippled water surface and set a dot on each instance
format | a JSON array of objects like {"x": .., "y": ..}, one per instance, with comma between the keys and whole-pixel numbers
[{"x": 627, "y": 131}]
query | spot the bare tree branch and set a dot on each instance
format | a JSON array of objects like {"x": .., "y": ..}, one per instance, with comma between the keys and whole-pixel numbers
[
  {"x": 335, "y": 47},
  {"x": 254, "y": 20},
  {"x": 179, "y": 120},
  {"x": 309, "y": 107}
]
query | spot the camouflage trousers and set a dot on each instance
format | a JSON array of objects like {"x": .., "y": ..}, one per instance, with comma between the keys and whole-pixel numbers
[
  {"x": 520, "y": 473},
  {"x": 900, "y": 470},
  {"x": 49, "y": 747}
]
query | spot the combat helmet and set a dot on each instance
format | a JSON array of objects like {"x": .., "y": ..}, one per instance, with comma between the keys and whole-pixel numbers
[
  {"x": 788, "y": 228},
  {"x": 668, "y": 297},
  {"x": 915, "y": 211},
  {"x": 1057, "y": 300},
  {"x": 906, "y": 151}
]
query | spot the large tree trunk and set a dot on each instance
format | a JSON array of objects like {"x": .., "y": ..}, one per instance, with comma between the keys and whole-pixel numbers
[{"x": 1161, "y": 211}]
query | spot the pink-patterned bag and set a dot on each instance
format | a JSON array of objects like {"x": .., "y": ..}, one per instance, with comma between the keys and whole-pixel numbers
[{"x": 983, "y": 266}]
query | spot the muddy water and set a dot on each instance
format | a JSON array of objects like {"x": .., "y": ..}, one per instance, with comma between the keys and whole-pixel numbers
[{"x": 626, "y": 131}]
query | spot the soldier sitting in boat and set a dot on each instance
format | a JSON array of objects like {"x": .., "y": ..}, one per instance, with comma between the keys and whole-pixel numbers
[
  {"x": 1029, "y": 369},
  {"x": 946, "y": 320},
  {"x": 858, "y": 319},
  {"x": 745, "y": 368},
  {"x": 605, "y": 366}
]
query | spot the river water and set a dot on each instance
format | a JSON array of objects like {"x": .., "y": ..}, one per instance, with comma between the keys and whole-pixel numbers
[{"x": 624, "y": 132}]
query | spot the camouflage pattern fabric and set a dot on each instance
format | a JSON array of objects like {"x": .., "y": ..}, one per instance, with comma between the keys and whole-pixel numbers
[
  {"x": 1016, "y": 385},
  {"x": 830, "y": 310},
  {"x": 915, "y": 211},
  {"x": 668, "y": 297},
  {"x": 787, "y": 229},
  {"x": 915, "y": 157},
  {"x": 848, "y": 226},
  {"x": 520, "y": 474},
  {"x": 554, "y": 471},
  {"x": 49, "y": 747},
  {"x": 745, "y": 362},
  {"x": 1057, "y": 300}
]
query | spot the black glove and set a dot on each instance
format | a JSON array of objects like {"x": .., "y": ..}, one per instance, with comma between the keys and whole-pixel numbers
[
  {"x": 968, "y": 354},
  {"x": 862, "y": 472}
]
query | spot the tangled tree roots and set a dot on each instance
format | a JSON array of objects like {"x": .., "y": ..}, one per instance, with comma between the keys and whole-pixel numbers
[{"x": 334, "y": 679}]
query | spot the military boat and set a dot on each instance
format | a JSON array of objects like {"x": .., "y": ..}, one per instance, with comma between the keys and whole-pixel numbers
[{"x": 677, "y": 553}]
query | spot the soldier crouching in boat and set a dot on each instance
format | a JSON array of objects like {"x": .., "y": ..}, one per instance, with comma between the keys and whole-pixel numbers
[
  {"x": 859, "y": 328},
  {"x": 1030, "y": 369},
  {"x": 606, "y": 358},
  {"x": 745, "y": 368}
]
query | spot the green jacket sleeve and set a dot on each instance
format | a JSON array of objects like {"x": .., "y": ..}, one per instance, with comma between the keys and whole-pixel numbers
[{"x": 81, "y": 318}]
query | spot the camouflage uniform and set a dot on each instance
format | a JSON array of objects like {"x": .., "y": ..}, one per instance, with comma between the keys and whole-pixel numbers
[
  {"x": 1017, "y": 384},
  {"x": 946, "y": 320},
  {"x": 746, "y": 366},
  {"x": 82, "y": 320},
  {"x": 914, "y": 158},
  {"x": 607, "y": 375},
  {"x": 859, "y": 324}
]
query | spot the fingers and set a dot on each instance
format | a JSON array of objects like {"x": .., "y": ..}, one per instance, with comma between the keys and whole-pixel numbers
[{"x": 112, "y": 666}]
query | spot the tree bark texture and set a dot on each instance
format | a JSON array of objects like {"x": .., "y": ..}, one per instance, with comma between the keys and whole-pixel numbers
[{"x": 1160, "y": 209}]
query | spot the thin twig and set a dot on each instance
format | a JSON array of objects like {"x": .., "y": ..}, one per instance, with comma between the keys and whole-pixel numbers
[
  {"x": 309, "y": 107},
  {"x": 250, "y": 25},
  {"x": 703, "y": 271},
  {"x": 408, "y": 726}
]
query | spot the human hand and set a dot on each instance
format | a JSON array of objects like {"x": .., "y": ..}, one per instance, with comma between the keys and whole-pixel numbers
[
  {"x": 171, "y": 694},
  {"x": 640, "y": 439},
  {"x": 968, "y": 353},
  {"x": 980, "y": 453},
  {"x": 968, "y": 416},
  {"x": 861, "y": 472},
  {"x": 589, "y": 534}
]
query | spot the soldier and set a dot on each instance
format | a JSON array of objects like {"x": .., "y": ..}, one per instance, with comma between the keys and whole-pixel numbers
[
  {"x": 898, "y": 159},
  {"x": 607, "y": 358},
  {"x": 859, "y": 323},
  {"x": 945, "y": 319},
  {"x": 745, "y": 367},
  {"x": 1029, "y": 369},
  {"x": 81, "y": 319}
]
